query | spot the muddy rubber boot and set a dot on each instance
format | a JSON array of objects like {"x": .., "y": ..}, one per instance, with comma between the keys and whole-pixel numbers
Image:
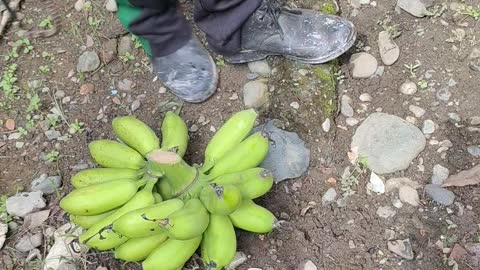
[
  {"x": 190, "y": 72},
  {"x": 303, "y": 35}
]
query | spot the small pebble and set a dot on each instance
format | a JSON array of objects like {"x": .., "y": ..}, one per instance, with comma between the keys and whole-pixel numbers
[
  {"x": 443, "y": 94},
  {"x": 408, "y": 88},
  {"x": 386, "y": 212},
  {"x": 440, "y": 174},
  {"x": 193, "y": 128},
  {"x": 135, "y": 105},
  {"x": 428, "y": 127},
  {"x": 454, "y": 117},
  {"x": 409, "y": 195},
  {"x": 351, "y": 121},
  {"x": 440, "y": 195},
  {"x": 346, "y": 108},
  {"x": 417, "y": 111},
  {"x": 295, "y": 105},
  {"x": 329, "y": 196},
  {"x": 326, "y": 125},
  {"x": 366, "y": 97},
  {"x": 474, "y": 120}
]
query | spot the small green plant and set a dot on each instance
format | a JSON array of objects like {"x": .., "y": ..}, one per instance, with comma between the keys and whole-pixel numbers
[
  {"x": 94, "y": 23},
  {"x": 25, "y": 44},
  {"x": 48, "y": 56},
  {"x": 471, "y": 11},
  {"x": 136, "y": 42},
  {"x": 76, "y": 127},
  {"x": 30, "y": 125},
  {"x": 22, "y": 131},
  {"x": 391, "y": 29},
  {"x": 12, "y": 54},
  {"x": 220, "y": 62},
  {"x": 9, "y": 78},
  {"x": 423, "y": 84},
  {"x": 350, "y": 180},
  {"x": 412, "y": 68},
  {"x": 127, "y": 57},
  {"x": 53, "y": 156},
  {"x": 53, "y": 120},
  {"x": 34, "y": 102},
  {"x": 46, "y": 23},
  {"x": 44, "y": 69},
  {"x": 5, "y": 218}
]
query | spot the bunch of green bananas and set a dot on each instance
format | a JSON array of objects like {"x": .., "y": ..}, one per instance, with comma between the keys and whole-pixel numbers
[{"x": 149, "y": 205}]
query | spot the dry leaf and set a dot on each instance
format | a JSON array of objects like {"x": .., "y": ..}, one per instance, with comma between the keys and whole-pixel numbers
[
  {"x": 464, "y": 178},
  {"x": 10, "y": 124}
]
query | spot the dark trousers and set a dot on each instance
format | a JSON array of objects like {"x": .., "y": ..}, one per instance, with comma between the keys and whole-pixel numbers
[{"x": 164, "y": 28}]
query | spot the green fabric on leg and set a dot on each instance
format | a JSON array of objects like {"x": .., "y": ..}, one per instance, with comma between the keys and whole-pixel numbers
[{"x": 126, "y": 14}]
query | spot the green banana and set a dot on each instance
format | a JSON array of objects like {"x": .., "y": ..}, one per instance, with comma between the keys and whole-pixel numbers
[
  {"x": 230, "y": 134},
  {"x": 252, "y": 217},
  {"x": 164, "y": 188},
  {"x": 158, "y": 197},
  {"x": 112, "y": 154},
  {"x": 248, "y": 154},
  {"x": 137, "y": 249},
  {"x": 100, "y": 235},
  {"x": 219, "y": 243},
  {"x": 252, "y": 183},
  {"x": 88, "y": 221},
  {"x": 174, "y": 133},
  {"x": 145, "y": 221},
  {"x": 220, "y": 200},
  {"x": 99, "y": 198},
  {"x": 135, "y": 134},
  {"x": 188, "y": 222},
  {"x": 172, "y": 254},
  {"x": 94, "y": 176}
]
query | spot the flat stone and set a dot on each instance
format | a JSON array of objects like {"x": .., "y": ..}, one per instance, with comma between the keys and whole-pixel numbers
[
  {"x": 352, "y": 121},
  {"x": 408, "y": 88},
  {"x": 408, "y": 195},
  {"x": 25, "y": 203},
  {"x": 14, "y": 136},
  {"x": 440, "y": 174},
  {"x": 260, "y": 67},
  {"x": 47, "y": 185},
  {"x": 255, "y": 94},
  {"x": 474, "y": 150},
  {"x": 416, "y": 8},
  {"x": 474, "y": 120},
  {"x": 326, "y": 125},
  {"x": 111, "y": 5},
  {"x": 36, "y": 219},
  {"x": 376, "y": 184},
  {"x": 363, "y": 65},
  {"x": 29, "y": 242},
  {"x": 88, "y": 61},
  {"x": 444, "y": 94},
  {"x": 366, "y": 97},
  {"x": 125, "y": 45},
  {"x": 439, "y": 194},
  {"x": 52, "y": 134},
  {"x": 287, "y": 157},
  {"x": 402, "y": 248},
  {"x": 329, "y": 196},
  {"x": 346, "y": 107},
  {"x": 388, "y": 142},
  {"x": 395, "y": 183},
  {"x": 389, "y": 50},
  {"x": 454, "y": 117},
  {"x": 64, "y": 250},
  {"x": 428, "y": 127},
  {"x": 417, "y": 111},
  {"x": 308, "y": 265},
  {"x": 386, "y": 212}
]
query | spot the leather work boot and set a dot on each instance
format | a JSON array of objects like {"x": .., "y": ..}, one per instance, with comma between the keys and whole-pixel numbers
[
  {"x": 190, "y": 72},
  {"x": 303, "y": 35}
]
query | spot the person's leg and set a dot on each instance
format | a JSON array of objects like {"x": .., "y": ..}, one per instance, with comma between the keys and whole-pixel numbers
[{"x": 179, "y": 60}]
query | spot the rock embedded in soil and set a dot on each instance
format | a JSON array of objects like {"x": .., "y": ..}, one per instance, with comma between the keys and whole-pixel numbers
[
  {"x": 326, "y": 125},
  {"x": 474, "y": 150},
  {"x": 287, "y": 157},
  {"x": 395, "y": 183},
  {"x": 111, "y": 5},
  {"x": 444, "y": 94},
  {"x": 409, "y": 195},
  {"x": 255, "y": 94},
  {"x": 440, "y": 174},
  {"x": 63, "y": 251},
  {"x": 45, "y": 184},
  {"x": 408, "y": 88},
  {"x": 474, "y": 120},
  {"x": 239, "y": 259},
  {"x": 417, "y": 111},
  {"x": 386, "y": 212},
  {"x": 428, "y": 127},
  {"x": 125, "y": 45},
  {"x": 388, "y": 142},
  {"x": 308, "y": 265},
  {"x": 376, "y": 184},
  {"x": 25, "y": 203},
  {"x": 440, "y": 195},
  {"x": 88, "y": 61},
  {"x": 346, "y": 106},
  {"x": 52, "y": 134},
  {"x": 351, "y": 121},
  {"x": 260, "y": 67},
  {"x": 455, "y": 118},
  {"x": 389, "y": 50},
  {"x": 29, "y": 242},
  {"x": 402, "y": 248},
  {"x": 135, "y": 105},
  {"x": 363, "y": 65},
  {"x": 417, "y": 8},
  {"x": 329, "y": 196},
  {"x": 3, "y": 233},
  {"x": 36, "y": 219},
  {"x": 365, "y": 97},
  {"x": 87, "y": 89},
  {"x": 79, "y": 5}
]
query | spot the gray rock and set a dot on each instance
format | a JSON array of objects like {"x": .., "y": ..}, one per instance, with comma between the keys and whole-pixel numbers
[
  {"x": 79, "y": 5},
  {"x": 366, "y": 97},
  {"x": 351, "y": 121},
  {"x": 417, "y": 111},
  {"x": 79, "y": 167},
  {"x": 308, "y": 265},
  {"x": 125, "y": 45},
  {"x": 428, "y": 127},
  {"x": 35, "y": 220},
  {"x": 25, "y": 203},
  {"x": 408, "y": 195},
  {"x": 111, "y": 5},
  {"x": 402, "y": 248},
  {"x": 440, "y": 174},
  {"x": 287, "y": 157},
  {"x": 388, "y": 142},
  {"x": 408, "y": 88},
  {"x": 386, "y": 212},
  {"x": 255, "y": 94},
  {"x": 88, "y": 61},
  {"x": 389, "y": 50},
  {"x": 363, "y": 65},
  {"x": 475, "y": 54},
  {"x": 14, "y": 136},
  {"x": 29, "y": 242},
  {"x": 126, "y": 85},
  {"x": 416, "y": 8},
  {"x": 475, "y": 120},
  {"x": 474, "y": 150},
  {"x": 135, "y": 105},
  {"x": 19, "y": 144},
  {"x": 444, "y": 94},
  {"x": 252, "y": 76},
  {"x": 346, "y": 107},
  {"x": 47, "y": 185},
  {"x": 329, "y": 196},
  {"x": 439, "y": 194},
  {"x": 3, "y": 234},
  {"x": 260, "y": 67},
  {"x": 395, "y": 183},
  {"x": 239, "y": 259},
  {"x": 455, "y": 118},
  {"x": 326, "y": 125},
  {"x": 52, "y": 134}
]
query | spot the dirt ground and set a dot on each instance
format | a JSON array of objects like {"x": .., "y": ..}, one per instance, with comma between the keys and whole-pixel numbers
[{"x": 333, "y": 237}]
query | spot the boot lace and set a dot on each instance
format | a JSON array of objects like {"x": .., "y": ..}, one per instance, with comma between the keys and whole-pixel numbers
[{"x": 273, "y": 9}]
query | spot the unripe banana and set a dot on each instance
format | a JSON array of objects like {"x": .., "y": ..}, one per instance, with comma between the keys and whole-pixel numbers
[
  {"x": 252, "y": 183},
  {"x": 94, "y": 176},
  {"x": 188, "y": 222},
  {"x": 230, "y": 134},
  {"x": 252, "y": 217},
  {"x": 164, "y": 188},
  {"x": 158, "y": 197},
  {"x": 101, "y": 237},
  {"x": 112, "y": 154},
  {"x": 88, "y": 221},
  {"x": 137, "y": 249},
  {"x": 174, "y": 133},
  {"x": 220, "y": 200},
  {"x": 172, "y": 254},
  {"x": 135, "y": 134},
  {"x": 248, "y": 154},
  {"x": 219, "y": 243},
  {"x": 146, "y": 221},
  {"x": 99, "y": 198}
]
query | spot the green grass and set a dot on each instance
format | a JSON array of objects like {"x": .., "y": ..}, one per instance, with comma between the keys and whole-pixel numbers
[
  {"x": 8, "y": 81},
  {"x": 46, "y": 23},
  {"x": 471, "y": 11}
]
